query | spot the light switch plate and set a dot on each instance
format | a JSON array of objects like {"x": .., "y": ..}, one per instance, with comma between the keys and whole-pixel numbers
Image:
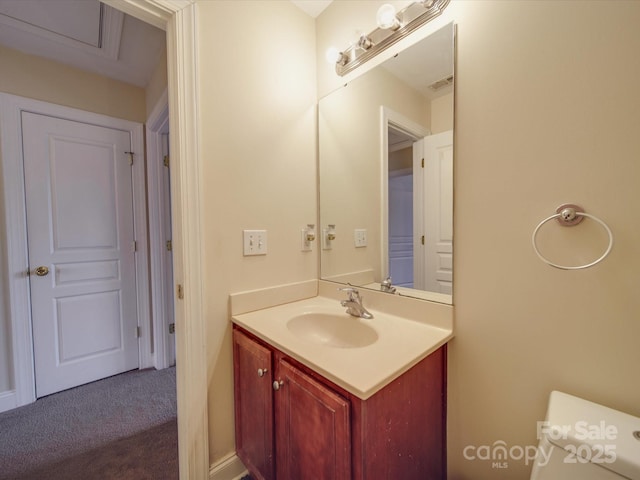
[
  {"x": 360, "y": 237},
  {"x": 255, "y": 242}
]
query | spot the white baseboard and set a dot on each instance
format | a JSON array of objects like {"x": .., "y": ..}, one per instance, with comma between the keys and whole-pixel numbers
[
  {"x": 8, "y": 400},
  {"x": 230, "y": 468}
]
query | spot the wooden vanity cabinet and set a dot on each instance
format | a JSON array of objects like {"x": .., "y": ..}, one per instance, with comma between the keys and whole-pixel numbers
[
  {"x": 317, "y": 430},
  {"x": 313, "y": 428},
  {"x": 253, "y": 391}
]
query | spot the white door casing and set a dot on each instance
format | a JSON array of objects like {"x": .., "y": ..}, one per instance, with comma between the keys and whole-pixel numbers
[
  {"x": 438, "y": 219},
  {"x": 158, "y": 187},
  {"x": 80, "y": 226},
  {"x": 179, "y": 18},
  {"x": 168, "y": 321}
]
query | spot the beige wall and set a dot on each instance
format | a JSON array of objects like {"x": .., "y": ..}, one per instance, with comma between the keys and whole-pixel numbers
[
  {"x": 157, "y": 84},
  {"x": 442, "y": 113},
  {"x": 35, "y": 77},
  {"x": 258, "y": 147},
  {"x": 401, "y": 159},
  {"x": 547, "y": 109}
]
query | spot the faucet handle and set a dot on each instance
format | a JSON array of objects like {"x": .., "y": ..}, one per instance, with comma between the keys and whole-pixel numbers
[{"x": 352, "y": 292}]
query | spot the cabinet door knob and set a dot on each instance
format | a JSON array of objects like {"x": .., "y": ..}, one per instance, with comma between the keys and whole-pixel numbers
[
  {"x": 262, "y": 372},
  {"x": 277, "y": 384}
]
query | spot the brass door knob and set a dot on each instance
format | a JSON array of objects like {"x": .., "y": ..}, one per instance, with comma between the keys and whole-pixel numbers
[{"x": 42, "y": 271}]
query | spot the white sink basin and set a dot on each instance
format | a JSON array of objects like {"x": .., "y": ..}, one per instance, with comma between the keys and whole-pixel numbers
[{"x": 339, "y": 331}]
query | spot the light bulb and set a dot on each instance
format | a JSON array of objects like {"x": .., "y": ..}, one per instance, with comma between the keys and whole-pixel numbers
[
  {"x": 386, "y": 17},
  {"x": 333, "y": 55}
]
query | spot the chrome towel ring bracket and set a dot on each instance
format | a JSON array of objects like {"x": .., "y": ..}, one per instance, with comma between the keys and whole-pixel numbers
[{"x": 569, "y": 215}]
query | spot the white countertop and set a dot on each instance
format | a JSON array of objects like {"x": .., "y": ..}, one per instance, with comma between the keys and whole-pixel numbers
[{"x": 362, "y": 371}]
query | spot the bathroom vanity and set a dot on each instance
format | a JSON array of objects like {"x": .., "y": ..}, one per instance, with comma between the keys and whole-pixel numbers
[{"x": 310, "y": 404}]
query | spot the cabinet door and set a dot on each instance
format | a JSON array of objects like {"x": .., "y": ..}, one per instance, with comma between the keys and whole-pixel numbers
[
  {"x": 313, "y": 431},
  {"x": 253, "y": 406}
]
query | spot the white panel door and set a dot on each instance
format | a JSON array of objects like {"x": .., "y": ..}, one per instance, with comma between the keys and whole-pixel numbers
[
  {"x": 79, "y": 227},
  {"x": 438, "y": 222}
]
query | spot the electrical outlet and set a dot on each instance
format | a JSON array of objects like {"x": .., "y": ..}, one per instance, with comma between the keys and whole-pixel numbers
[
  {"x": 360, "y": 237},
  {"x": 255, "y": 242}
]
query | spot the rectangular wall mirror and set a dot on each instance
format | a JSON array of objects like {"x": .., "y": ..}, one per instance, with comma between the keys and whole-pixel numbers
[{"x": 386, "y": 174}]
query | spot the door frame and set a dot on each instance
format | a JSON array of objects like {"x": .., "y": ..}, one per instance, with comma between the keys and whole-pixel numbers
[
  {"x": 391, "y": 118},
  {"x": 157, "y": 123},
  {"x": 18, "y": 288},
  {"x": 180, "y": 18}
]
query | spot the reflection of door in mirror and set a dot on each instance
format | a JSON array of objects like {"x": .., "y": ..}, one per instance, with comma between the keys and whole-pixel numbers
[
  {"x": 420, "y": 207},
  {"x": 438, "y": 213},
  {"x": 401, "y": 206}
]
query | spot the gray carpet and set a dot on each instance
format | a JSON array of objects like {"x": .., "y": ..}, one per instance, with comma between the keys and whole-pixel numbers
[{"x": 122, "y": 427}]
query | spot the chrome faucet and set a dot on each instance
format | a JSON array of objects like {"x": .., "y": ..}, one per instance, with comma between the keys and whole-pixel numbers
[
  {"x": 386, "y": 286},
  {"x": 354, "y": 303}
]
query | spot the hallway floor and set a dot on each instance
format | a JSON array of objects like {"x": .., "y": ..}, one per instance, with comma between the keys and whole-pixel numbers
[{"x": 122, "y": 427}]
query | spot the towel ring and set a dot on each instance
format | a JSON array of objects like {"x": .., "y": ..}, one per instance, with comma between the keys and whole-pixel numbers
[{"x": 569, "y": 215}]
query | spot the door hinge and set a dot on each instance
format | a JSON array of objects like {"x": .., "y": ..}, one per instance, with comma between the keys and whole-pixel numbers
[
  {"x": 422, "y": 163},
  {"x": 166, "y": 160},
  {"x": 172, "y": 328},
  {"x": 138, "y": 332},
  {"x": 135, "y": 246},
  {"x": 169, "y": 245},
  {"x": 131, "y": 154},
  {"x": 422, "y": 239},
  {"x": 180, "y": 292}
]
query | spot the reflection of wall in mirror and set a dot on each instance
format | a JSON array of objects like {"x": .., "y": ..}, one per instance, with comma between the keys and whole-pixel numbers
[
  {"x": 442, "y": 113},
  {"x": 350, "y": 170}
]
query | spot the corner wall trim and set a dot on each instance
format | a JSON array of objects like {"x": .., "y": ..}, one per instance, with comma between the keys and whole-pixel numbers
[{"x": 230, "y": 468}]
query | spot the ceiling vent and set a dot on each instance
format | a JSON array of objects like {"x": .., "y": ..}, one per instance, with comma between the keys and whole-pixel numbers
[{"x": 445, "y": 82}]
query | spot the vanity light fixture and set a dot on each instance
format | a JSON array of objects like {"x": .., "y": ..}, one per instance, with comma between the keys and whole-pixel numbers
[
  {"x": 333, "y": 55},
  {"x": 387, "y": 18},
  {"x": 392, "y": 27}
]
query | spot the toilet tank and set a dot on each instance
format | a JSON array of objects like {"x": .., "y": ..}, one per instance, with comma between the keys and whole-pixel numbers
[{"x": 581, "y": 440}]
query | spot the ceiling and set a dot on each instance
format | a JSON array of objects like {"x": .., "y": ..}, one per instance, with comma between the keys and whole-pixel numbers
[
  {"x": 84, "y": 34},
  {"x": 92, "y": 36},
  {"x": 426, "y": 63},
  {"x": 312, "y": 7}
]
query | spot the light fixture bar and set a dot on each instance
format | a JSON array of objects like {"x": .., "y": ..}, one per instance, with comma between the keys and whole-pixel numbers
[{"x": 410, "y": 18}]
